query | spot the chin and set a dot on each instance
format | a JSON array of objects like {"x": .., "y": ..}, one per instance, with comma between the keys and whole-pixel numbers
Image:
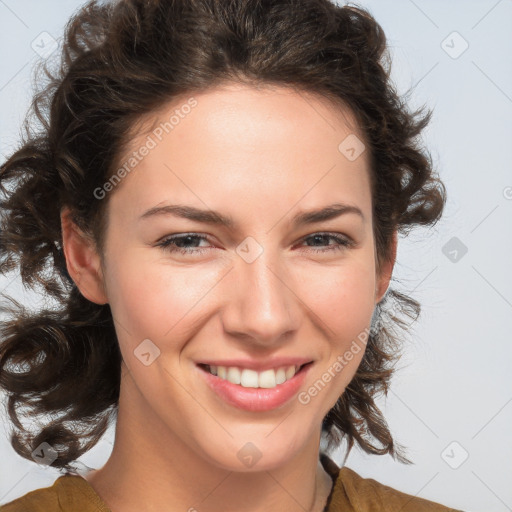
[{"x": 263, "y": 449}]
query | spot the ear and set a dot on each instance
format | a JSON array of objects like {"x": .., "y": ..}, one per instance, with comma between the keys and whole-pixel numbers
[
  {"x": 386, "y": 270},
  {"x": 82, "y": 260}
]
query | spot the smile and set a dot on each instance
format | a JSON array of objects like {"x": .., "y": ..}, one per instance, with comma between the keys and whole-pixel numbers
[
  {"x": 252, "y": 379},
  {"x": 252, "y": 390}
]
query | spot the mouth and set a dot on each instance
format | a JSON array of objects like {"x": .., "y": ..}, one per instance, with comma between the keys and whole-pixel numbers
[
  {"x": 249, "y": 378},
  {"x": 251, "y": 390}
]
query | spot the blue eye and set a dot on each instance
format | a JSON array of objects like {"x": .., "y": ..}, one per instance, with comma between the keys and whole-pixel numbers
[
  {"x": 188, "y": 243},
  {"x": 175, "y": 243},
  {"x": 341, "y": 242}
]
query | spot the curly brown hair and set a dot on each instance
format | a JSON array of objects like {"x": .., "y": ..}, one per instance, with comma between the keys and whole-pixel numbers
[{"x": 121, "y": 61}]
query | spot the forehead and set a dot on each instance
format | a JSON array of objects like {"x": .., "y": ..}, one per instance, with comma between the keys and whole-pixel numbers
[
  {"x": 280, "y": 96},
  {"x": 239, "y": 142},
  {"x": 231, "y": 111}
]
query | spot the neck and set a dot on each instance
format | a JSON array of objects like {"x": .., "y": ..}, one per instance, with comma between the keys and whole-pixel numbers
[{"x": 150, "y": 468}]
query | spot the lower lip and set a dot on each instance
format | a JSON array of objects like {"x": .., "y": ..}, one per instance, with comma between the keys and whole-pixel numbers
[{"x": 256, "y": 399}]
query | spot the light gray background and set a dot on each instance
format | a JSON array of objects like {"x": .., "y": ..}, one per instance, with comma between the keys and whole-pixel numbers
[{"x": 454, "y": 385}]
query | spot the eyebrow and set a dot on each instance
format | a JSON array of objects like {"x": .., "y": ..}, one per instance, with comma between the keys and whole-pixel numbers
[{"x": 215, "y": 218}]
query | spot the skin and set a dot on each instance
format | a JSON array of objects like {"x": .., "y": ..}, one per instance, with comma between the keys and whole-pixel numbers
[{"x": 259, "y": 155}]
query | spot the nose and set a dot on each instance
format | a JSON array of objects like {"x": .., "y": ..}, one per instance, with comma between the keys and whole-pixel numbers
[{"x": 263, "y": 305}]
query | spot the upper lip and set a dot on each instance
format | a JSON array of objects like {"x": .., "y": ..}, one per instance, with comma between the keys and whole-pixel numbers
[{"x": 259, "y": 366}]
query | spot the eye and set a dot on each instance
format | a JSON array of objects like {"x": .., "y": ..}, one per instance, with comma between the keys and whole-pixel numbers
[
  {"x": 341, "y": 242},
  {"x": 181, "y": 243},
  {"x": 187, "y": 243}
]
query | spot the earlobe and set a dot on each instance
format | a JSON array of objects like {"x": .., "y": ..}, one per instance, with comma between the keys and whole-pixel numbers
[
  {"x": 82, "y": 260},
  {"x": 386, "y": 270}
]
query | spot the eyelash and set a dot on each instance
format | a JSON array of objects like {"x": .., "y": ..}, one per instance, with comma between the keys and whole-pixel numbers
[{"x": 167, "y": 244}]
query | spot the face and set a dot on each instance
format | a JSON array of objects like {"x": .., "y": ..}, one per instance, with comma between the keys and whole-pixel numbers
[{"x": 269, "y": 295}]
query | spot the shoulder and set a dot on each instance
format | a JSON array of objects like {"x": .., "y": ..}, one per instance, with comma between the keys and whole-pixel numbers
[
  {"x": 45, "y": 499},
  {"x": 352, "y": 492},
  {"x": 67, "y": 494}
]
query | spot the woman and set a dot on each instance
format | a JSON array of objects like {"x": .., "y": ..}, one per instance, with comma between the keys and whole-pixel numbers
[{"x": 214, "y": 198}]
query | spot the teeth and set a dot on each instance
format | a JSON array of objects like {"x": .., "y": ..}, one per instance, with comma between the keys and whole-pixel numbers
[
  {"x": 267, "y": 379},
  {"x": 253, "y": 379},
  {"x": 280, "y": 376},
  {"x": 290, "y": 372},
  {"x": 248, "y": 379},
  {"x": 233, "y": 375}
]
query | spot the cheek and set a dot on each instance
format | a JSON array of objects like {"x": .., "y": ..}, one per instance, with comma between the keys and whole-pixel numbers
[
  {"x": 152, "y": 300},
  {"x": 343, "y": 297},
  {"x": 345, "y": 305}
]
